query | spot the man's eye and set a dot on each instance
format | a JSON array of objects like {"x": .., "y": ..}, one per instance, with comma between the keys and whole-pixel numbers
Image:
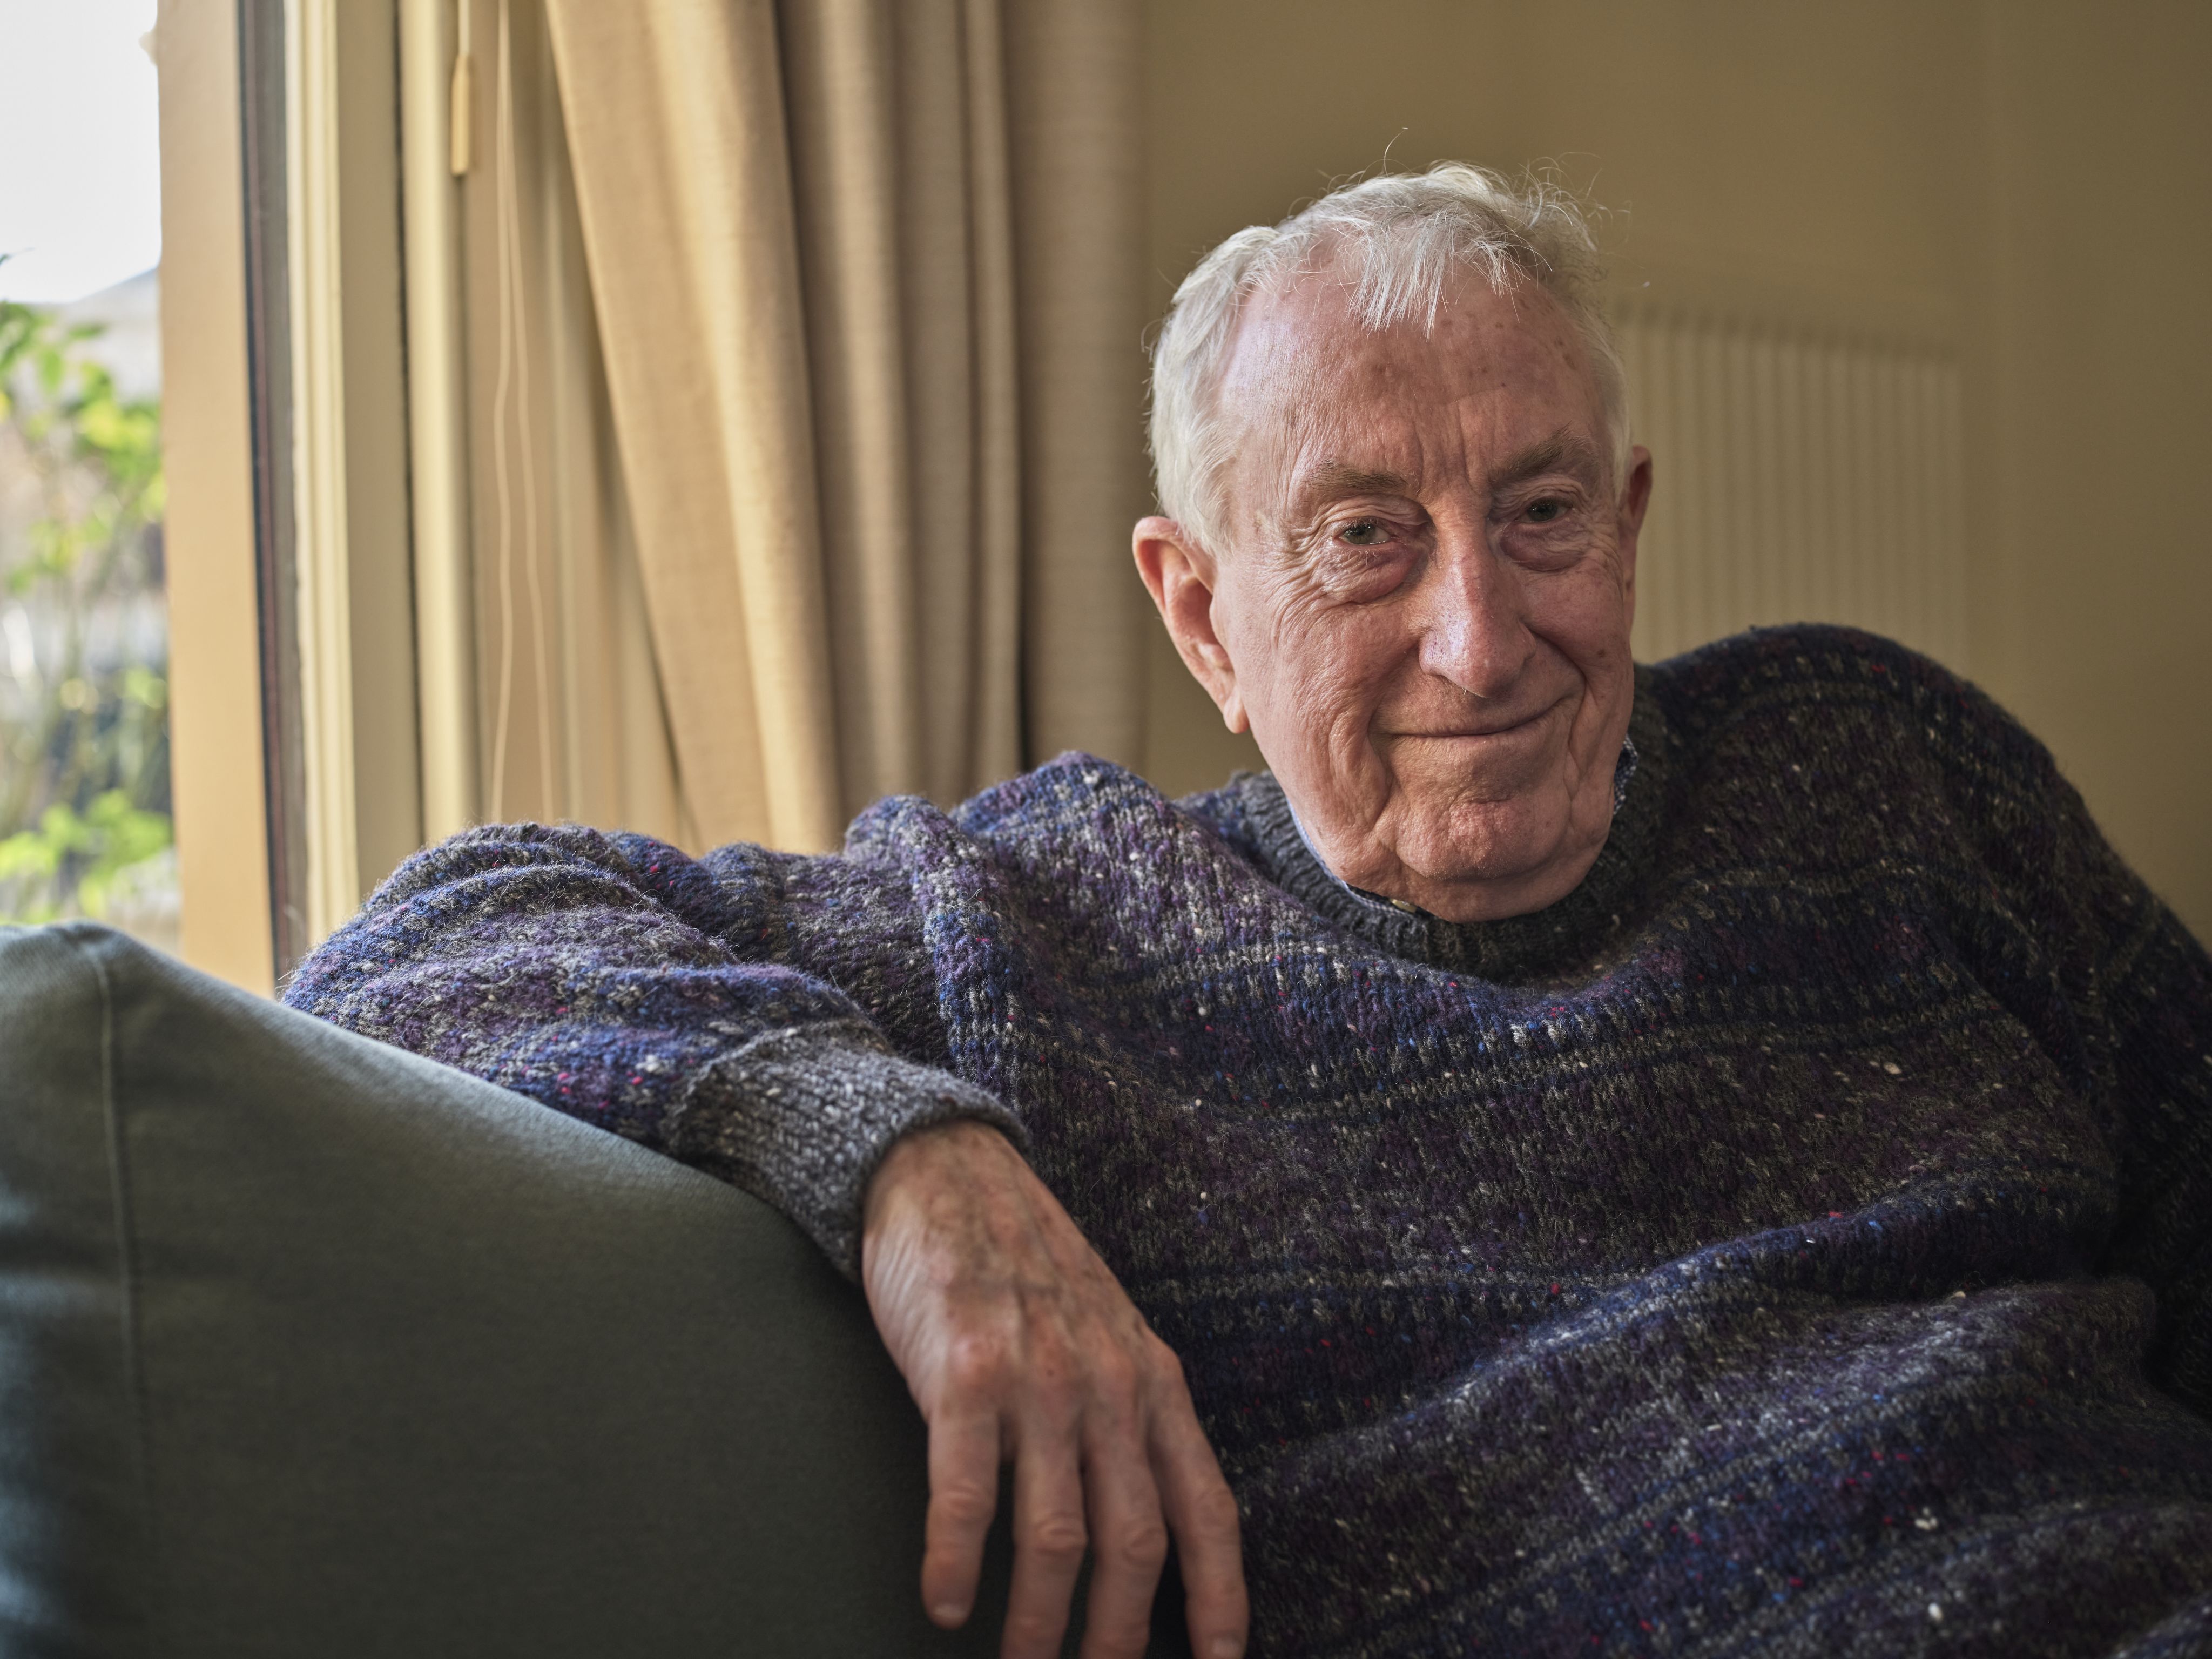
[
  {"x": 1364, "y": 533},
  {"x": 1549, "y": 509}
]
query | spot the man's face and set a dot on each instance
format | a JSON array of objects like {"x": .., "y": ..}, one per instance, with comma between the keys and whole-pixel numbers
[{"x": 1423, "y": 608}]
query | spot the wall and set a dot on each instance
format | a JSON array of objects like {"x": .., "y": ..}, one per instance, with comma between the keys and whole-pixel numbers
[
  {"x": 2101, "y": 129},
  {"x": 1962, "y": 170}
]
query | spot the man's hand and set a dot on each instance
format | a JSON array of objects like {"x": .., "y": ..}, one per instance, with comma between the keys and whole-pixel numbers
[{"x": 1020, "y": 1346}]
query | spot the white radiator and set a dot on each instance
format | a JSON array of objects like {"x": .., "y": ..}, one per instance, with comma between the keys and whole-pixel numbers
[{"x": 1800, "y": 476}]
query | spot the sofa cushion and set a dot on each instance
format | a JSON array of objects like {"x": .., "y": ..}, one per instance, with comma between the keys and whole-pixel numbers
[{"x": 311, "y": 1345}]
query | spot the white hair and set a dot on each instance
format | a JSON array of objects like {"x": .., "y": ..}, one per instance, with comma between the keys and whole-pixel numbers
[{"x": 1397, "y": 239}]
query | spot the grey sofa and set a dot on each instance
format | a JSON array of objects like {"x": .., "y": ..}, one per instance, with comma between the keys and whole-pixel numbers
[{"x": 309, "y": 1346}]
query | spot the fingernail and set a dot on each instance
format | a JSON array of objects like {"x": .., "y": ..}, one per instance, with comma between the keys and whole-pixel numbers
[
  {"x": 948, "y": 1612},
  {"x": 1224, "y": 1647}
]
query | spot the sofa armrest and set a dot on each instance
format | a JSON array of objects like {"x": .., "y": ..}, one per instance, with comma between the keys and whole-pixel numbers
[{"x": 311, "y": 1345}]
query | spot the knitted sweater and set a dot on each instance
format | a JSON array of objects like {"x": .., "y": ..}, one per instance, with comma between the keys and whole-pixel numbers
[{"x": 1797, "y": 1241}]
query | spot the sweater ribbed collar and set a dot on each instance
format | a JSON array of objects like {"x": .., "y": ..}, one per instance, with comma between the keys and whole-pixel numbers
[{"x": 1518, "y": 949}]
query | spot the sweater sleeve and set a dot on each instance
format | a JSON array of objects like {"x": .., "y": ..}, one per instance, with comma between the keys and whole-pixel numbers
[
  {"x": 2119, "y": 992},
  {"x": 2153, "y": 1021},
  {"x": 615, "y": 980}
]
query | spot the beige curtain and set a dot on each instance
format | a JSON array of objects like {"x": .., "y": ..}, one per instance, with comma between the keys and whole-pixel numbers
[
  {"x": 566, "y": 707},
  {"x": 866, "y": 277}
]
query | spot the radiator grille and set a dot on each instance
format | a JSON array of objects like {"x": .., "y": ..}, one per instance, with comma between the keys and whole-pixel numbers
[{"x": 1802, "y": 477}]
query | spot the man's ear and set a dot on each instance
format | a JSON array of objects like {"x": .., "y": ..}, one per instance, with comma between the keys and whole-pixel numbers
[
  {"x": 1635, "y": 502},
  {"x": 1181, "y": 577}
]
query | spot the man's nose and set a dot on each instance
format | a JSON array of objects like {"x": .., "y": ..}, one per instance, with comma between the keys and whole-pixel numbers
[{"x": 1473, "y": 632}]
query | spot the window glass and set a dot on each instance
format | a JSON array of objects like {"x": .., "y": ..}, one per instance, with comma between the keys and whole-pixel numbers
[{"x": 84, "y": 756}]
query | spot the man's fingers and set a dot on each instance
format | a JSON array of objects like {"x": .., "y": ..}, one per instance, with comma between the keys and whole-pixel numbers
[
  {"x": 1202, "y": 1511},
  {"x": 1128, "y": 1539},
  {"x": 963, "y": 1493},
  {"x": 1015, "y": 1337},
  {"x": 1049, "y": 1536}
]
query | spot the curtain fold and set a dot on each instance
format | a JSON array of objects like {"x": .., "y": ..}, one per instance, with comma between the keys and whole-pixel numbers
[
  {"x": 1076, "y": 128},
  {"x": 868, "y": 280},
  {"x": 564, "y": 698},
  {"x": 898, "y": 161},
  {"x": 675, "y": 125}
]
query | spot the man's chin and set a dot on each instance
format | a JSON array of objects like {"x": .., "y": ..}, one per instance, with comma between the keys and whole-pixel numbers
[
  {"x": 1478, "y": 861},
  {"x": 1483, "y": 840}
]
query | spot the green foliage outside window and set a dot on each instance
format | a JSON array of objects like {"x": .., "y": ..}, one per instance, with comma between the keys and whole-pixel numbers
[{"x": 84, "y": 761}]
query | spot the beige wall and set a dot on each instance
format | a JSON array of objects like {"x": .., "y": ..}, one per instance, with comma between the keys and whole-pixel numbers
[
  {"x": 1970, "y": 168},
  {"x": 2101, "y": 124}
]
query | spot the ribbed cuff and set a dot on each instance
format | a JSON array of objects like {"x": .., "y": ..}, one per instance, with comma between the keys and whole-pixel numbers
[{"x": 802, "y": 1118}]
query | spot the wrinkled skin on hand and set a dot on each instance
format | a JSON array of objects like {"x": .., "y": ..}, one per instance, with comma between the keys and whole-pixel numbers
[{"x": 1020, "y": 1346}]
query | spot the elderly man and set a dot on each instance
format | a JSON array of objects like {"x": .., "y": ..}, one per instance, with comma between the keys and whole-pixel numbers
[{"x": 1712, "y": 1158}]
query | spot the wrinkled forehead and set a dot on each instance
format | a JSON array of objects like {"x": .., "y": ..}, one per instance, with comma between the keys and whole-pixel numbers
[{"x": 1306, "y": 380}]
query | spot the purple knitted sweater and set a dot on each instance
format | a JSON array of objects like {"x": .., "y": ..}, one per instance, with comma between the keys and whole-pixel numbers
[{"x": 1797, "y": 1240}]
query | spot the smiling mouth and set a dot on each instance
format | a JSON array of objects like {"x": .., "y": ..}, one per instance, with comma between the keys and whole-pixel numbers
[{"x": 1467, "y": 734}]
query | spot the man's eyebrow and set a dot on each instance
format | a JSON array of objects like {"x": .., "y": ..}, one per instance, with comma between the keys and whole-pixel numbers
[
  {"x": 1333, "y": 480},
  {"x": 1562, "y": 452}
]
